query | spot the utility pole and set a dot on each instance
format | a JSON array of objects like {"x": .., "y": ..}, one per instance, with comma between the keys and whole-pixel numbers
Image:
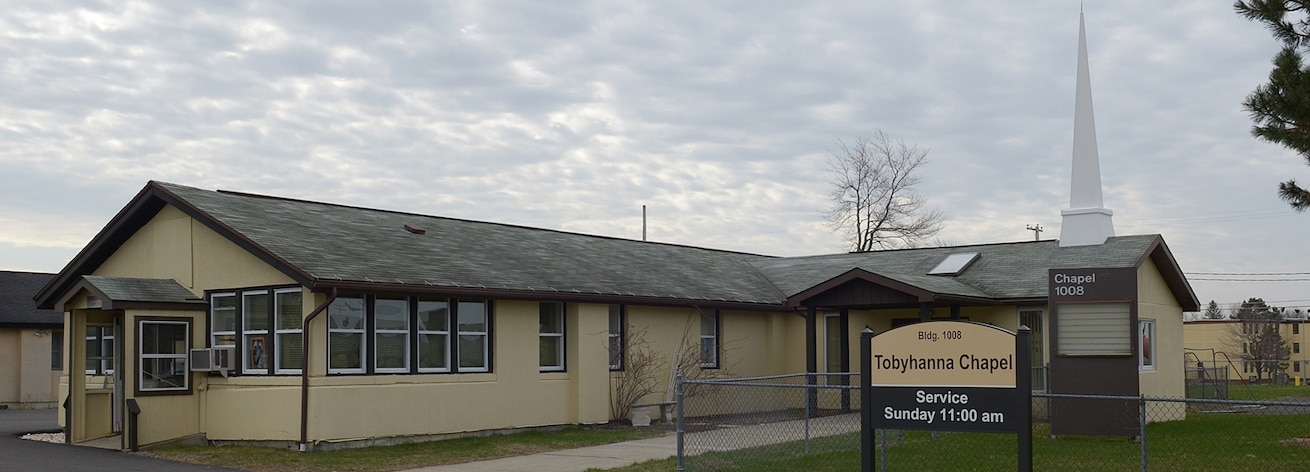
[{"x": 1037, "y": 231}]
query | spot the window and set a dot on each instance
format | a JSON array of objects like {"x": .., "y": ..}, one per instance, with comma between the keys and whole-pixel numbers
[
  {"x": 473, "y": 342},
  {"x": 616, "y": 336},
  {"x": 551, "y": 333},
  {"x": 832, "y": 353},
  {"x": 290, "y": 318},
  {"x": 1296, "y": 348},
  {"x": 162, "y": 353},
  {"x": 57, "y": 350},
  {"x": 346, "y": 335},
  {"x": 255, "y": 309},
  {"x": 1296, "y": 367},
  {"x": 99, "y": 350},
  {"x": 1095, "y": 329},
  {"x": 1296, "y": 328},
  {"x": 391, "y": 335},
  {"x": 433, "y": 336},
  {"x": 709, "y": 339},
  {"x": 223, "y": 319},
  {"x": 1146, "y": 344}
]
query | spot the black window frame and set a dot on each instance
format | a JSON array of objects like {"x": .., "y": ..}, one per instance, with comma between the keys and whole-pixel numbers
[
  {"x": 452, "y": 336},
  {"x": 57, "y": 350},
  {"x": 617, "y": 343},
  {"x": 717, "y": 337}
]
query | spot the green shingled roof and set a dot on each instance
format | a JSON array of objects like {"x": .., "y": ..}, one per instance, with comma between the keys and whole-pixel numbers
[
  {"x": 334, "y": 242},
  {"x": 325, "y": 245},
  {"x": 1002, "y": 271},
  {"x": 127, "y": 289}
]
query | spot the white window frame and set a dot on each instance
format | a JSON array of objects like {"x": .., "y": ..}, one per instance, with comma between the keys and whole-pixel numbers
[
  {"x": 709, "y": 333},
  {"x": 236, "y": 320},
  {"x": 618, "y": 329},
  {"x": 546, "y": 335},
  {"x": 442, "y": 330},
  {"x": 485, "y": 334},
  {"x": 360, "y": 330},
  {"x": 378, "y": 332},
  {"x": 248, "y": 335},
  {"x": 1146, "y": 344},
  {"x": 280, "y": 331},
  {"x": 181, "y": 357}
]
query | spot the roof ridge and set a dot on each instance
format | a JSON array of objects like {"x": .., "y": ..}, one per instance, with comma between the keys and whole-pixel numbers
[
  {"x": 465, "y": 220},
  {"x": 32, "y": 272}
]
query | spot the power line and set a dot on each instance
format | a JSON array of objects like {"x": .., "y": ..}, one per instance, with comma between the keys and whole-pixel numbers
[
  {"x": 1248, "y": 273},
  {"x": 1248, "y": 280}
]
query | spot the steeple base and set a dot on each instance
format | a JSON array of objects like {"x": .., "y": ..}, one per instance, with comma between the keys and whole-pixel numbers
[{"x": 1085, "y": 226}]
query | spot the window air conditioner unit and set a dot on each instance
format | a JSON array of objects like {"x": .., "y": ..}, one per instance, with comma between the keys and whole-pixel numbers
[{"x": 214, "y": 359}]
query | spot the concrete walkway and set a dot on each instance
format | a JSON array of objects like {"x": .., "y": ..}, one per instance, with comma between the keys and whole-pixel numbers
[
  {"x": 607, "y": 456},
  {"x": 622, "y": 454}
]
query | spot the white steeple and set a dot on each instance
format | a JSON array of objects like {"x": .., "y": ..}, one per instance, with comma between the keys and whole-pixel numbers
[{"x": 1086, "y": 222}]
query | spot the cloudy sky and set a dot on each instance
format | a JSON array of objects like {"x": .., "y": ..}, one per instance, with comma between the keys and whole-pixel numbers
[{"x": 717, "y": 116}]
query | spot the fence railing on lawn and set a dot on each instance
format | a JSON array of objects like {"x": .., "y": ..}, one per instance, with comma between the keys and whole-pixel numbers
[{"x": 811, "y": 422}]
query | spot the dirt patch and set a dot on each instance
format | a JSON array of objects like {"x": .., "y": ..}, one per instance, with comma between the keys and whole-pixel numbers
[{"x": 1301, "y": 442}]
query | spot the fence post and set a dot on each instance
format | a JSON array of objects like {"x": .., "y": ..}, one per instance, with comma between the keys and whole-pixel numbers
[
  {"x": 807, "y": 426},
  {"x": 866, "y": 402},
  {"x": 677, "y": 395},
  {"x": 1142, "y": 425}
]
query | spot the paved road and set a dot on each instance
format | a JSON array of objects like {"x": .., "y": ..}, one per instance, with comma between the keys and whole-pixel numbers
[{"x": 22, "y": 455}]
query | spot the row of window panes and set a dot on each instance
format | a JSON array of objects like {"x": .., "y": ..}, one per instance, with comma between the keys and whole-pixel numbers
[
  {"x": 404, "y": 330},
  {"x": 392, "y": 333},
  {"x": 269, "y": 334}
]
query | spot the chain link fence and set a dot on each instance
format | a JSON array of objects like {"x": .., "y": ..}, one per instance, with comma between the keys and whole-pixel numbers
[
  {"x": 811, "y": 422},
  {"x": 726, "y": 423}
]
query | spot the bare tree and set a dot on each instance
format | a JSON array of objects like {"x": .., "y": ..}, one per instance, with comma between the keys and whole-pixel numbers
[
  {"x": 1258, "y": 338},
  {"x": 874, "y": 203},
  {"x": 642, "y": 369}
]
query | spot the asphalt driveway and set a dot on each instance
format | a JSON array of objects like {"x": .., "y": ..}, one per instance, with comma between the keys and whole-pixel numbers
[{"x": 19, "y": 454}]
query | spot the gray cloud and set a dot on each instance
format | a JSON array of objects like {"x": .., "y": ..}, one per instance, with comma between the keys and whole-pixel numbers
[{"x": 571, "y": 115}]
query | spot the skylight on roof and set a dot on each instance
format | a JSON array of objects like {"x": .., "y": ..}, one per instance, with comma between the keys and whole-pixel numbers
[{"x": 954, "y": 264}]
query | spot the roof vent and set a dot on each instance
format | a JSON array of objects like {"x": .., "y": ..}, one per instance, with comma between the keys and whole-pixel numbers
[
  {"x": 415, "y": 229},
  {"x": 954, "y": 264}
]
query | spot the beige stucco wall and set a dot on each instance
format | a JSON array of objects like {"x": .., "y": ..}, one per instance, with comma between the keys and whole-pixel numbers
[
  {"x": 163, "y": 417},
  {"x": 26, "y": 379},
  {"x": 355, "y": 407},
  {"x": 1155, "y": 301},
  {"x": 174, "y": 246},
  {"x": 1214, "y": 343}
]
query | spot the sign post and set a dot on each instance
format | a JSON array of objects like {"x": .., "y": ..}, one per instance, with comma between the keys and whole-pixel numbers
[{"x": 947, "y": 376}]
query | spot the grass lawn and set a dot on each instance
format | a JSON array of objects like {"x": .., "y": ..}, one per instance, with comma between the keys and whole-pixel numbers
[
  {"x": 1242, "y": 391},
  {"x": 1202, "y": 442},
  {"x": 404, "y": 456}
]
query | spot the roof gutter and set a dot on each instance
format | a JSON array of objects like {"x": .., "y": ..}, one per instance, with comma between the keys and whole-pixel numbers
[
  {"x": 304, "y": 369},
  {"x": 565, "y": 295}
]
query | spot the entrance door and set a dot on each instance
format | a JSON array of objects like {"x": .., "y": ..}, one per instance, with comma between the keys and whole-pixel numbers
[{"x": 1032, "y": 318}]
